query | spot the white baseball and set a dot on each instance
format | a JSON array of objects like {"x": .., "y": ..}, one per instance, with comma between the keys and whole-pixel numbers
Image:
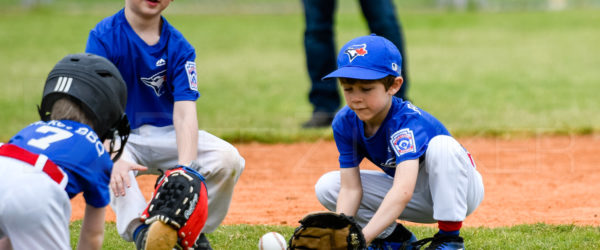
[{"x": 272, "y": 241}]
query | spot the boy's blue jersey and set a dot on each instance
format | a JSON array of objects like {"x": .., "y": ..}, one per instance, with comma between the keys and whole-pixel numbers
[
  {"x": 156, "y": 75},
  {"x": 76, "y": 149},
  {"x": 404, "y": 135}
]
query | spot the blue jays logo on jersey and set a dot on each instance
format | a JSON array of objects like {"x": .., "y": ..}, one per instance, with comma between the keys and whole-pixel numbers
[
  {"x": 403, "y": 141},
  {"x": 354, "y": 51},
  {"x": 190, "y": 69},
  {"x": 156, "y": 82}
]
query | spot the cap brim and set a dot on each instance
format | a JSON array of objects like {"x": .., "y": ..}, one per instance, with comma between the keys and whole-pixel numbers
[{"x": 356, "y": 73}]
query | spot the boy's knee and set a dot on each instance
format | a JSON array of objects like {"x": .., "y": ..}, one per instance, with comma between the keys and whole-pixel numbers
[
  {"x": 445, "y": 145},
  {"x": 327, "y": 188},
  {"x": 224, "y": 163},
  {"x": 231, "y": 159},
  {"x": 445, "y": 151},
  {"x": 442, "y": 141}
]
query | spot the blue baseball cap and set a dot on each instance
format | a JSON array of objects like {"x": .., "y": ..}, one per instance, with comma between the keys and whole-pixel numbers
[{"x": 368, "y": 58}]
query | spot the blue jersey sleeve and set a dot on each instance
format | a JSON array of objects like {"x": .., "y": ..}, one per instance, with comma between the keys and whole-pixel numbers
[
  {"x": 347, "y": 142},
  {"x": 95, "y": 46},
  {"x": 99, "y": 195},
  {"x": 410, "y": 141},
  {"x": 185, "y": 77}
]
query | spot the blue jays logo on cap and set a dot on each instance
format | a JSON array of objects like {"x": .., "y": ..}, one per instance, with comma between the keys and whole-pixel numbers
[{"x": 356, "y": 50}]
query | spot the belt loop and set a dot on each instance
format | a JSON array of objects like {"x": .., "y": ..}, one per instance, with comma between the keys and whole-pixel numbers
[{"x": 40, "y": 162}]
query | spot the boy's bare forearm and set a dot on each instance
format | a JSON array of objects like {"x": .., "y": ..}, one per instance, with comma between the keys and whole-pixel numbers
[
  {"x": 185, "y": 122},
  {"x": 349, "y": 201},
  {"x": 351, "y": 191},
  {"x": 395, "y": 200},
  {"x": 92, "y": 228},
  {"x": 390, "y": 209}
]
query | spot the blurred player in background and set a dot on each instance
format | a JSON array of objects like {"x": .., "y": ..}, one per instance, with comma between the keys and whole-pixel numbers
[
  {"x": 427, "y": 175},
  {"x": 51, "y": 161},
  {"x": 158, "y": 65}
]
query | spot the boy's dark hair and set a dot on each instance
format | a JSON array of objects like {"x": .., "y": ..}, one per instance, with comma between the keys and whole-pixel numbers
[
  {"x": 67, "y": 108},
  {"x": 387, "y": 81}
]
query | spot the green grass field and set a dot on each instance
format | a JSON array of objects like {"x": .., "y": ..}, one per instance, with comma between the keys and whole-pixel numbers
[
  {"x": 480, "y": 73},
  {"x": 538, "y": 236}
]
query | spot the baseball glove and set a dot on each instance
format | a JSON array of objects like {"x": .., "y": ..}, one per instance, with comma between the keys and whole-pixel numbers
[
  {"x": 179, "y": 204},
  {"x": 327, "y": 230}
]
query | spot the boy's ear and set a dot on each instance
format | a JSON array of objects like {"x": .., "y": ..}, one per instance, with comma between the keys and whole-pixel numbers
[{"x": 398, "y": 81}]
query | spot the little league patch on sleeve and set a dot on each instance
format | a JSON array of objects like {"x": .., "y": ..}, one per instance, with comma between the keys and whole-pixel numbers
[
  {"x": 190, "y": 69},
  {"x": 403, "y": 141}
]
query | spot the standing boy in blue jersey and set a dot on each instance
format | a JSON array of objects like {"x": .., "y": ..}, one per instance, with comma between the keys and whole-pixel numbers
[
  {"x": 427, "y": 175},
  {"x": 158, "y": 65},
  {"x": 51, "y": 161}
]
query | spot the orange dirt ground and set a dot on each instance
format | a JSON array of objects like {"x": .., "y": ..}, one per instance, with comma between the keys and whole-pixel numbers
[{"x": 550, "y": 179}]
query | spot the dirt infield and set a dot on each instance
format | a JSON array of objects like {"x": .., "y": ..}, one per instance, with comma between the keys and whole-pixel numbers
[{"x": 550, "y": 179}]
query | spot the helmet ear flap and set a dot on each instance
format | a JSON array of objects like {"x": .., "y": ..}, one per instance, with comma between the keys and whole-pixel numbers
[
  {"x": 121, "y": 131},
  {"x": 44, "y": 116}
]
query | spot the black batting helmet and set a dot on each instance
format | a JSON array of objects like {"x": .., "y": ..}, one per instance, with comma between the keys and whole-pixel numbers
[{"x": 96, "y": 84}]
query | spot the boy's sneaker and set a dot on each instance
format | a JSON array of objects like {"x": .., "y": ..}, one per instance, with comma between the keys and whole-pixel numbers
[
  {"x": 379, "y": 244},
  {"x": 140, "y": 237},
  {"x": 441, "y": 242}
]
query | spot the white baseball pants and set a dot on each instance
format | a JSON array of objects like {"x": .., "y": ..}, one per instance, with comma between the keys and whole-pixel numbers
[
  {"x": 156, "y": 148},
  {"x": 448, "y": 187},
  {"x": 34, "y": 209}
]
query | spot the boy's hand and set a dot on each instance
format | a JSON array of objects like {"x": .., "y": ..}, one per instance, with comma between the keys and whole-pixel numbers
[{"x": 119, "y": 178}]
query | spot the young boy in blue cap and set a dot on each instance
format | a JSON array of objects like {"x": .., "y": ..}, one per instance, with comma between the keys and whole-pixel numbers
[{"x": 427, "y": 175}]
